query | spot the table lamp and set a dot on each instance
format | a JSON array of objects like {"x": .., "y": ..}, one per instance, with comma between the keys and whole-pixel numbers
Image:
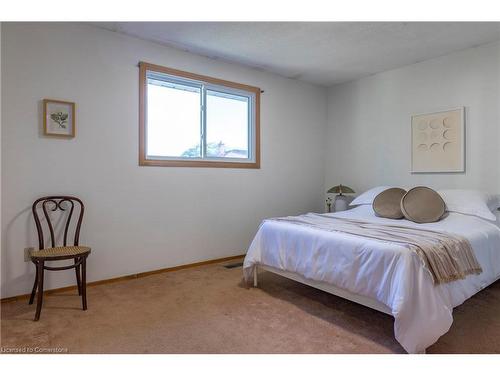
[{"x": 341, "y": 202}]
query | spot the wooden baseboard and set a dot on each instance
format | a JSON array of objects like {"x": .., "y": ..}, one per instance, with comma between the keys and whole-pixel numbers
[{"x": 127, "y": 277}]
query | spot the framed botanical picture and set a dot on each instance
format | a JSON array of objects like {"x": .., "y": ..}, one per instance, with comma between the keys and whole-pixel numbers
[
  {"x": 58, "y": 118},
  {"x": 438, "y": 142}
]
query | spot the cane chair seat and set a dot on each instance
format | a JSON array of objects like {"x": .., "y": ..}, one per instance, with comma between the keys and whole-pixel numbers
[{"x": 61, "y": 251}]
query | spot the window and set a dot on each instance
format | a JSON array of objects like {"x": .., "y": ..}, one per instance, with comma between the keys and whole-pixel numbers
[{"x": 189, "y": 120}]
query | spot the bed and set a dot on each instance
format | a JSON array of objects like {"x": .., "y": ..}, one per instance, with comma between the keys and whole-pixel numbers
[{"x": 382, "y": 275}]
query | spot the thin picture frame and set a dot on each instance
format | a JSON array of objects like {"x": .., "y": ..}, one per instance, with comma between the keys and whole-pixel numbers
[
  {"x": 462, "y": 146},
  {"x": 59, "y": 126}
]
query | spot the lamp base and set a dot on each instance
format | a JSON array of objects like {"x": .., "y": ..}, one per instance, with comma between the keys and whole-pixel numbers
[{"x": 341, "y": 203}]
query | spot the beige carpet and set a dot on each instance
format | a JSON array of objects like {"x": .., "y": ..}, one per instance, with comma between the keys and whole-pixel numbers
[{"x": 208, "y": 310}]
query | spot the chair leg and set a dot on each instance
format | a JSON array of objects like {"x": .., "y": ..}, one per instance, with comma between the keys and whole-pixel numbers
[
  {"x": 84, "y": 283},
  {"x": 39, "y": 300},
  {"x": 78, "y": 282},
  {"x": 35, "y": 284}
]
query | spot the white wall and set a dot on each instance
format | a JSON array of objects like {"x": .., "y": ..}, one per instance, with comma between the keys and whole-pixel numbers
[
  {"x": 139, "y": 218},
  {"x": 368, "y": 133}
]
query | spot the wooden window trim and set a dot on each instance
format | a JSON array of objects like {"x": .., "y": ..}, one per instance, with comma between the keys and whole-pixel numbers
[{"x": 143, "y": 161}]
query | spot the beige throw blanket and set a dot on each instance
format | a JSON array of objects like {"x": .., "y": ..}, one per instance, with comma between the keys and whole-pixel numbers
[{"x": 447, "y": 257}]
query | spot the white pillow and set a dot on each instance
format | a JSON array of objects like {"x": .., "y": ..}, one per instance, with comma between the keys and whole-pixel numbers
[
  {"x": 368, "y": 196},
  {"x": 471, "y": 202}
]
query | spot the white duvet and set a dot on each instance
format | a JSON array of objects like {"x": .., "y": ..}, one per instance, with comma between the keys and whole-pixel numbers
[{"x": 387, "y": 272}]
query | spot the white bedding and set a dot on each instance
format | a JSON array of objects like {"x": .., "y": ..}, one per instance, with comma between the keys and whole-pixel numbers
[{"x": 389, "y": 273}]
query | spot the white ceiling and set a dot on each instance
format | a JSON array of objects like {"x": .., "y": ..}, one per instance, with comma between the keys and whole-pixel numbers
[{"x": 324, "y": 53}]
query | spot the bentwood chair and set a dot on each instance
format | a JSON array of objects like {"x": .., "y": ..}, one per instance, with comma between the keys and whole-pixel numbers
[{"x": 49, "y": 206}]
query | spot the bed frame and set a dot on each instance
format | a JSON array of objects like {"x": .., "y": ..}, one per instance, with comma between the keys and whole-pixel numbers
[
  {"x": 339, "y": 292},
  {"x": 362, "y": 300}
]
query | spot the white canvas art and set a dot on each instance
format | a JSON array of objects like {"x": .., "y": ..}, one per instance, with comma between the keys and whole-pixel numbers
[{"x": 438, "y": 142}]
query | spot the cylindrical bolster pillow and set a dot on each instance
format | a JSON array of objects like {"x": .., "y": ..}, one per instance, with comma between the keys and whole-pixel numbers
[
  {"x": 388, "y": 203},
  {"x": 422, "y": 205}
]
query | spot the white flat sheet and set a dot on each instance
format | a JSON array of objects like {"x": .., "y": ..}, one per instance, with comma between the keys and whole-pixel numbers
[{"x": 389, "y": 273}]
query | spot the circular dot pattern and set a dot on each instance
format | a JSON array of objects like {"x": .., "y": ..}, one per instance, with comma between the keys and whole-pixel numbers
[{"x": 436, "y": 135}]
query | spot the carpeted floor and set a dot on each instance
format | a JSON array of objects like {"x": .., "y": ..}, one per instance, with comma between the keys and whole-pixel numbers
[{"x": 208, "y": 310}]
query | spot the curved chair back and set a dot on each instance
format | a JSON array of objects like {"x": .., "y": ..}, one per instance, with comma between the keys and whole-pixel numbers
[{"x": 54, "y": 203}]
